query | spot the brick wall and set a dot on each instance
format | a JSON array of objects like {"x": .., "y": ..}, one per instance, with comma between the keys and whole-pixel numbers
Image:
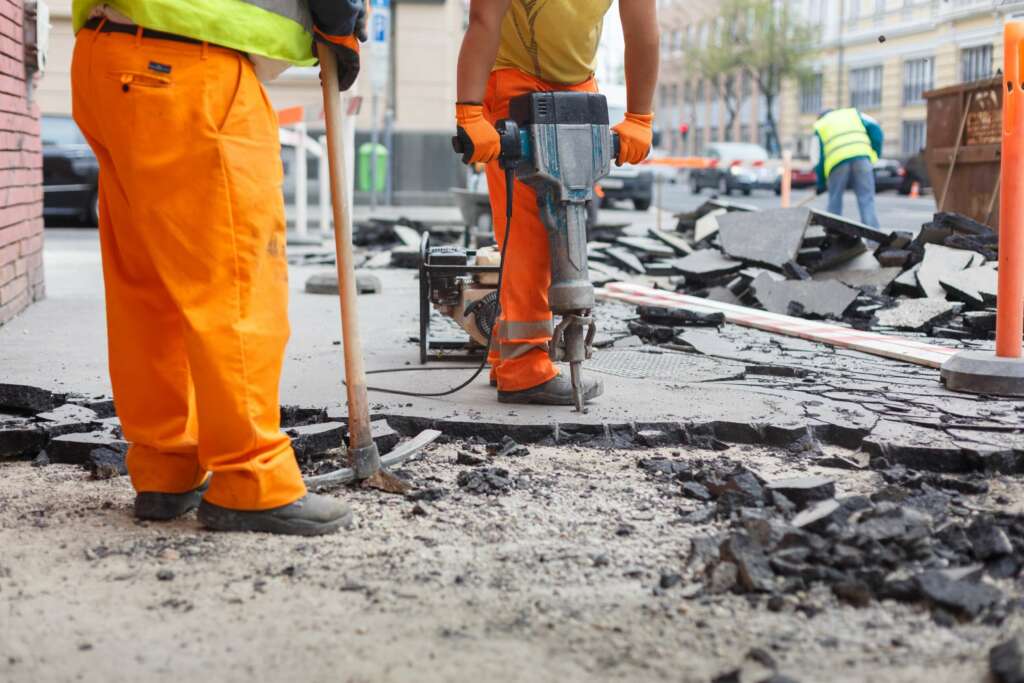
[{"x": 21, "y": 174}]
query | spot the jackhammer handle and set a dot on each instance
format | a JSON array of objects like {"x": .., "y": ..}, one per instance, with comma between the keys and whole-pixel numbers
[
  {"x": 463, "y": 144},
  {"x": 616, "y": 146}
]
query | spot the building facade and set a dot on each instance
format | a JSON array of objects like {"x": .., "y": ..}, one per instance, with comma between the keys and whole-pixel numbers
[
  {"x": 420, "y": 94},
  {"x": 877, "y": 55},
  {"x": 21, "y": 176}
]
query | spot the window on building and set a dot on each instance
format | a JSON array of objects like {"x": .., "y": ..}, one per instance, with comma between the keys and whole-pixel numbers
[
  {"x": 976, "y": 63},
  {"x": 866, "y": 87},
  {"x": 687, "y": 92},
  {"x": 914, "y": 133},
  {"x": 810, "y": 94},
  {"x": 918, "y": 78},
  {"x": 700, "y": 90}
]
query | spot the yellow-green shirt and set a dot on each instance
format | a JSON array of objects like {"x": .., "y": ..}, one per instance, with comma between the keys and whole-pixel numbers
[{"x": 553, "y": 40}]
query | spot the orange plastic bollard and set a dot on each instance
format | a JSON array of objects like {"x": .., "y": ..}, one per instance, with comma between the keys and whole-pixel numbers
[
  {"x": 915, "y": 190},
  {"x": 787, "y": 178},
  {"x": 1010, "y": 318}
]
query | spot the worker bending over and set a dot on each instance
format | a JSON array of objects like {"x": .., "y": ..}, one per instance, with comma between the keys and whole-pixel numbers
[
  {"x": 192, "y": 232},
  {"x": 849, "y": 144},
  {"x": 514, "y": 47}
]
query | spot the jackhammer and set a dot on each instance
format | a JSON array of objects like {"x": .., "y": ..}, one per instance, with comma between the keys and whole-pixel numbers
[{"x": 559, "y": 143}]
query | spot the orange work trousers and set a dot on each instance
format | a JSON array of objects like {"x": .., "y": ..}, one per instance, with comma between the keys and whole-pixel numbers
[
  {"x": 192, "y": 233},
  {"x": 519, "y": 349}
]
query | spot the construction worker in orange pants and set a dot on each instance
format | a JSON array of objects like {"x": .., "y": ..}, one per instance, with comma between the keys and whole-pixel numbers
[
  {"x": 192, "y": 232},
  {"x": 513, "y": 47}
]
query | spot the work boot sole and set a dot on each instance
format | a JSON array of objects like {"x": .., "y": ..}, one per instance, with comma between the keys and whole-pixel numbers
[
  {"x": 219, "y": 518},
  {"x": 163, "y": 507},
  {"x": 544, "y": 396}
]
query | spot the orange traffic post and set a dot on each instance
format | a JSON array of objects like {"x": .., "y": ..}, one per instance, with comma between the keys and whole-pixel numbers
[
  {"x": 1003, "y": 373},
  {"x": 787, "y": 178}
]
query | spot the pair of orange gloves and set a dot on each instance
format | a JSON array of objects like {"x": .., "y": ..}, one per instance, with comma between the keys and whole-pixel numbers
[{"x": 635, "y": 135}]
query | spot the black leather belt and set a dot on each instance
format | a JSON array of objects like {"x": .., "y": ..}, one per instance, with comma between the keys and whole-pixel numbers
[{"x": 114, "y": 27}]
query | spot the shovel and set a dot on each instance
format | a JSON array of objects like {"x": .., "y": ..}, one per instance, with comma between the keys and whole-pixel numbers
[{"x": 365, "y": 462}]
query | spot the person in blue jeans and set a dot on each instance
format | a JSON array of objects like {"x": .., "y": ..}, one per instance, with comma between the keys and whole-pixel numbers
[{"x": 849, "y": 143}]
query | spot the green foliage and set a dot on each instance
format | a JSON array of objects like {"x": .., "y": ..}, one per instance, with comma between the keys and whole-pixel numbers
[{"x": 764, "y": 38}]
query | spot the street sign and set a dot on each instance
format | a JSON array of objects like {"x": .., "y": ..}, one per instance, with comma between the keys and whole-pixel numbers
[{"x": 379, "y": 43}]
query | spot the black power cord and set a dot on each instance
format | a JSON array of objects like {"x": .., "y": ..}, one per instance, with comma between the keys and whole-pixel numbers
[{"x": 509, "y": 193}]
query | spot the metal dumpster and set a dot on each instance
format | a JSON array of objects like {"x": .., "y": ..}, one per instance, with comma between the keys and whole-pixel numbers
[{"x": 965, "y": 130}]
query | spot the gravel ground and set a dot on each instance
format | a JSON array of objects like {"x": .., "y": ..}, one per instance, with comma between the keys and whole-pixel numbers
[{"x": 555, "y": 580}]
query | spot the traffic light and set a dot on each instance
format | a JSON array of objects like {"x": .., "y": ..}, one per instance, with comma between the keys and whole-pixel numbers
[{"x": 684, "y": 131}]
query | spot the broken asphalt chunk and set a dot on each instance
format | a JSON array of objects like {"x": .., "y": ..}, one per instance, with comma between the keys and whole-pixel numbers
[
  {"x": 625, "y": 259},
  {"x": 20, "y": 438},
  {"x": 308, "y": 441},
  {"x": 754, "y": 571},
  {"x": 1006, "y": 660},
  {"x": 770, "y": 238},
  {"x": 106, "y": 463},
  {"x": 964, "y": 598},
  {"x": 918, "y": 314},
  {"x": 804, "y": 491},
  {"x": 976, "y": 287},
  {"x": 940, "y": 262},
  {"x": 822, "y": 299},
  {"x": 679, "y": 317},
  {"x": 850, "y": 228},
  {"x": 485, "y": 481},
  {"x": 21, "y": 398},
  {"x": 706, "y": 265},
  {"x": 74, "y": 449}
]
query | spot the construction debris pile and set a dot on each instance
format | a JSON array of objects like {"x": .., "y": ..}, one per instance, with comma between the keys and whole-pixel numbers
[
  {"x": 812, "y": 264},
  {"x": 922, "y": 538}
]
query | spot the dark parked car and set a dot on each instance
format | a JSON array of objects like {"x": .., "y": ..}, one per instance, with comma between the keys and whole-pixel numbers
[
  {"x": 628, "y": 182},
  {"x": 890, "y": 175},
  {"x": 735, "y": 166},
  {"x": 70, "y": 172}
]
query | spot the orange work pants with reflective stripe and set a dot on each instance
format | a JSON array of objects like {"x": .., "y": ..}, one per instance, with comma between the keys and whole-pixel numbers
[
  {"x": 192, "y": 232},
  {"x": 519, "y": 358}
]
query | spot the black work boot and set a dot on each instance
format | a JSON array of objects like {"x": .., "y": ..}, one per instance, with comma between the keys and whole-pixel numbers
[
  {"x": 555, "y": 392},
  {"x": 163, "y": 507},
  {"x": 311, "y": 515}
]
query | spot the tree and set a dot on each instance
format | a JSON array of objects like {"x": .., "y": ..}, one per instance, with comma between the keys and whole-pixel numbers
[
  {"x": 776, "y": 47},
  {"x": 720, "y": 64},
  {"x": 763, "y": 38}
]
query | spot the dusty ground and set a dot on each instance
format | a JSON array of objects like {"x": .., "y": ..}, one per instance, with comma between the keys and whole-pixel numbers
[{"x": 555, "y": 581}]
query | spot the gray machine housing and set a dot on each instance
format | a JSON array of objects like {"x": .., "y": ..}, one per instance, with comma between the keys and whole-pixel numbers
[{"x": 567, "y": 148}]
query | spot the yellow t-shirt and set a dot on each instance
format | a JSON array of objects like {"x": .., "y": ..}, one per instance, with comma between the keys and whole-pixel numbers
[{"x": 553, "y": 40}]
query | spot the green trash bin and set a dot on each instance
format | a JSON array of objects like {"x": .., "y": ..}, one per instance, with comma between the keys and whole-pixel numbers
[{"x": 367, "y": 181}]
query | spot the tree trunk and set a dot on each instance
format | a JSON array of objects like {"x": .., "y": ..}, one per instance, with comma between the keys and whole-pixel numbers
[{"x": 774, "y": 148}]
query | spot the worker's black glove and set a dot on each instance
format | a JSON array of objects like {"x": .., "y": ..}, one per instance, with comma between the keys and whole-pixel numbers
[{"x": 341, "y": 24}]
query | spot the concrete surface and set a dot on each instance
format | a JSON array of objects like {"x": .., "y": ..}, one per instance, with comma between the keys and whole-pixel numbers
[{"x": 737, "y": 385}]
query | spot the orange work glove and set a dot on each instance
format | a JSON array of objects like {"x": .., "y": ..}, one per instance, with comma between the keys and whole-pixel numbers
[
  {"x": 635, "y": 136},
  {"x": 479, "y": 140}
]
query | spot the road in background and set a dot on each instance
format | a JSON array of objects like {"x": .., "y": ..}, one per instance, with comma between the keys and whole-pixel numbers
[{"x": 895, "y": 211}]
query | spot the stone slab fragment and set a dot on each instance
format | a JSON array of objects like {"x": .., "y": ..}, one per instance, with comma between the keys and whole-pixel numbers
[
  {"x": 849, "y": 227},
  {"x": 975, "y": 286},
  {"x": 828, "y": 299},
  {"x": 770, "y": 238},
  {"x": 918, "y": 314},
  {"x": 707, "y": 225},
  {"x": 706, "y": 264},
  {"x": 26, "y": 399},
  {"x": 878, "y": 278},
  {"x": 647, "y": 247},
  {"x": 940, "y": 262}
]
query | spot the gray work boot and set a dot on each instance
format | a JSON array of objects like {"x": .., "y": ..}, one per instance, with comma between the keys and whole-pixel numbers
[
  {"x": 311, "y": 515},
  {"x": 163, "y": 507},
  {"x": 554, "y": 392}
]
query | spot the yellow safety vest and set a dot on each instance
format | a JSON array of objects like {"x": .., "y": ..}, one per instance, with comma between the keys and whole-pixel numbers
[
  {"x": 276, "y": 29},
  {"x": 844, "y": 137}
]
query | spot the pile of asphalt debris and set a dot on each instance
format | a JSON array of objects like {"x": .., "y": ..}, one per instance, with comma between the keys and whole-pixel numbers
[
  {"x": 941, "y": 282},
  {"x": 807, "y": 263},
  {"x": 920, "y": 537}
]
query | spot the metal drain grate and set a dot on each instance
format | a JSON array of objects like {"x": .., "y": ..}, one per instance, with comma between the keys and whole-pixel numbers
[{"x": 665, "y": 367}]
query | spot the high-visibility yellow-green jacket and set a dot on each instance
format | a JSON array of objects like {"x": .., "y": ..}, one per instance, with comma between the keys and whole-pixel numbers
[
  {"x": 276, "y": 29},
  {"x": 843, "y": 137}
]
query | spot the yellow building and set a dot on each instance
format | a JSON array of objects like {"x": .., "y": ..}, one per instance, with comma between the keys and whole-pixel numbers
[{"x": 877, "y": 55}]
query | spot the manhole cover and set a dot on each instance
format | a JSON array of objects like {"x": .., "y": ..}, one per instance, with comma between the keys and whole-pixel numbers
[{"x": 665, "y": 367}]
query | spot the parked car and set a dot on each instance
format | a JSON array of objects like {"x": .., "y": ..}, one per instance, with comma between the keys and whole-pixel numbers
[
  {"x": 803, "y": 176},
  {"x": 633, "y": 183},
  {"x": 735, "y": 166},
  {"x": 890, "y": 175},
  {"x": 70, "y": 172}
]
